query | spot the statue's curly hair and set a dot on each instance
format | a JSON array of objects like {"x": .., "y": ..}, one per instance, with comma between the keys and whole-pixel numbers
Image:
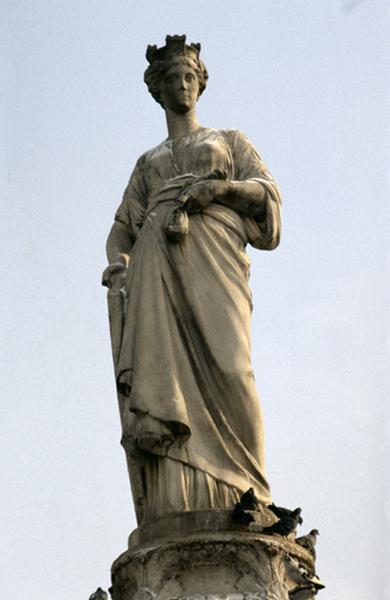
[{"x": 155, "y": 73}]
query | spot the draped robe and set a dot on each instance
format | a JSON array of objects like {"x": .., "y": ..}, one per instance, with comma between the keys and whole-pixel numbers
[{"x": 184, "y": 367}]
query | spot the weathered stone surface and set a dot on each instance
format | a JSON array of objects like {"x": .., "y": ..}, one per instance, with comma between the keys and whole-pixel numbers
[
  {"x": 180, "y": 304},
  {"x": 177, "y": 525},
  {"x": 219, "y": 562},
  {"x": 304, "y": 594},
  {"x": 180, "y": 309}
]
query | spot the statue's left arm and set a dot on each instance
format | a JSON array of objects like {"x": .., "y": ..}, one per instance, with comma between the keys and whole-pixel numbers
[{"x": 252, "y": 192}]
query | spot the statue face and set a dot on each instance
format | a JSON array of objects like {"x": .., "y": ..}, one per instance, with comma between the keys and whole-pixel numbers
[{"x": 179, "y": 89}]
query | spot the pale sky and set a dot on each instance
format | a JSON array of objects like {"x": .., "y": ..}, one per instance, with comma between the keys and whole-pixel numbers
[{"x": 308, "y": 82}]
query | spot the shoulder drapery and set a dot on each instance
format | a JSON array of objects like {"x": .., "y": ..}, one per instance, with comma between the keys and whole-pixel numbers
[
  {"x": 185, "y": 355},
  {"x": 263, "y": 233},
  {"x": 132, "y": 209}
]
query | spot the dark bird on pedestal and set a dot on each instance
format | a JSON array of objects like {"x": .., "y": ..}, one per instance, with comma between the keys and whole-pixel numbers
[
  {"x": 99, "y": 595},
  {"x": 280, "y": 512},
  {"x": 248, "y": 500},
  {"x": 288, "y": 520},
  {"x": 300, "y": 575},
  {"x": 240, "y": 516},
  {"x": 309, "y": 541}
]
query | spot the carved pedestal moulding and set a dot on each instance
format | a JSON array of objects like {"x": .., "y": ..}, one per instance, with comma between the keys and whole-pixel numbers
[{"x": 179, "y": 309}]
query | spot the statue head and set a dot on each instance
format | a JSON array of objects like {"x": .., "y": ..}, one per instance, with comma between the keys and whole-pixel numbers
[{"x": 175, "y": 53}]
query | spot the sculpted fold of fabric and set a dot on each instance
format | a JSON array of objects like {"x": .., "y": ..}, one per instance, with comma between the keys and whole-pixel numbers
[{"x": 184, "y": 370}]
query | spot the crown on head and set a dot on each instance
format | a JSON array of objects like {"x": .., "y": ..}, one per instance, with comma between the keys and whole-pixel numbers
[{"x": 175, "y": 45}]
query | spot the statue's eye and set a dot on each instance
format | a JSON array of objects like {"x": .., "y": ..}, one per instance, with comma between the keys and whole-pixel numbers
[{"x": 190, "y": 77}]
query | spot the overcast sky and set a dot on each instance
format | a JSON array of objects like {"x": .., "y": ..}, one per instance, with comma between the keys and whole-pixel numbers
[{"x": 307, "y": 81}]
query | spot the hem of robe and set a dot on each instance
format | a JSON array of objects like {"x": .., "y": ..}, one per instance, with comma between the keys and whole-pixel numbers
[
  {"x": 240, "y": 481},
  {"x": 172, "y": 486},
  {"x": 235, "y": 474}
]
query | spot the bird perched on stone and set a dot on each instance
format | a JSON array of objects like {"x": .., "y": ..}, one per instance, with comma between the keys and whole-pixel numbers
[
  {"x": 99, "y": 595},
  {"x": 280, "y": 512},
  {"x": 288, "y": 520},
  {"x": 240, "y": 516},
  {"x": 248, "y": 500},
  {"x": 309, "y": 541},
  {"x": 300, "y": 575}
]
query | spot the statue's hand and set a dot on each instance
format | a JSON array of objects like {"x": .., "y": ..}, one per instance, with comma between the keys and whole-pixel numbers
[
  {"x": 199, "y": 195},
  {"x": 114, "y": 275}
]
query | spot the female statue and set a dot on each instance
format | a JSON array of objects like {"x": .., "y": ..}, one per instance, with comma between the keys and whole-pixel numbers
[{"x": 192, "y": 424}]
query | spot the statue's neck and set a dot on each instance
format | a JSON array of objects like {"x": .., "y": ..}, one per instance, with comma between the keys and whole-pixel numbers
[{"x": 181, "y": 125}]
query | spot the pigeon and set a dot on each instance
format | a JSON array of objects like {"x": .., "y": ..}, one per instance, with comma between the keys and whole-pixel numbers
[
  {"x": 297, "y": 573},
  {"x": 280, "y": 512},
  {"x": 99, "y": 595},
  {"x": 240, "y": 516},
  {"x": 309, "y": 541},
  {"x": 248, "y": 500},
  {"x": 288, "y": 520},
  {"x": 300, "y": 575}
]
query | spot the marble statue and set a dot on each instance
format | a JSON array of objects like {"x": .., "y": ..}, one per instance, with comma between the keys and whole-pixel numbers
[
  {"x": 179, "y": 309},
  {"x": 180, "y": 302}
]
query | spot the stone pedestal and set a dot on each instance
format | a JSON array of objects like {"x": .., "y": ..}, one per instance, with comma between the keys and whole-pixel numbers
[{"x": 202, "y": 555}]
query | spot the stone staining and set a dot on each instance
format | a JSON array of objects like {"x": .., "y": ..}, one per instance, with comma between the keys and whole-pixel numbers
[
  {"x": 179, "y": 310},
  {"x": 192, "y": 424}
]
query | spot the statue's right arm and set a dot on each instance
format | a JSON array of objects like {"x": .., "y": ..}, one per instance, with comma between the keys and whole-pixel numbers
[
  {"x": 119, "y": 244},
  {"x": 118, "y": 249}
]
